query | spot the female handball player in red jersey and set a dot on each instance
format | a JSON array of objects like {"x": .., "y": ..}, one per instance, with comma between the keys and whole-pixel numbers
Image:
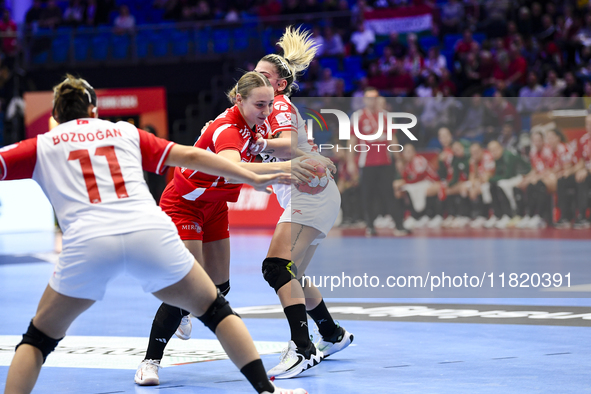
[
  {"x": 306, "y": 219},
  {"x": 198, "y": 203},
  {"x": 92, "y": 172}
]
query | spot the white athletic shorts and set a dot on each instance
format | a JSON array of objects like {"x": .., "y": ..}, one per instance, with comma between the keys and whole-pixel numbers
[
  {"x": 157, "y": 258},
  {"x": 319, "y": 211}
]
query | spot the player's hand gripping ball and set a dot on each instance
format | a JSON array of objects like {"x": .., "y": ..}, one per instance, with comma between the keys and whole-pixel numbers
[{"x": 320, "y": 180}]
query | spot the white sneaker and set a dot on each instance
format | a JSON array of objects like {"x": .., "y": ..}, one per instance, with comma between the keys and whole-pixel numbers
[
  {"x": 185, "y": 328},
  {"x": 339, "y": 340},
  {"x": 422, "y": 222},
  {"x": 490, "y": 223},
  {"x": 478, "y": 222},
  {"x": 285, "y": 391},
  {"x": 389, "y": 222},
  {"x": 503, "y": 223},
  {"x": 524, "y": 222},
  {"x": 448, "y": 222},
  {"x": 435, "y": 222},
  {"x": 379, "y": 222},
  {"x": 409, "y": 223},
  {"x": 293, "y": 361},
  {"x": 147, "y": 373},
  {"x": 460, "y": 222},
  {"x": 536, "y": 222}
]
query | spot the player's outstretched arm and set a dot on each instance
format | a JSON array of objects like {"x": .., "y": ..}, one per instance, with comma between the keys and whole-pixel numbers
[{"x": 210, "y": 163}]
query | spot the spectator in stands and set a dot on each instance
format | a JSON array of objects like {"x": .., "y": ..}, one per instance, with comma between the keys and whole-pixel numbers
[
  {"x": 548, "y": 32},
  {"x": 496, "y": 12},
  {"x": 9, "y": 43},
  {"x": 469, "y": 74},
  {"x": 536, "y": 18},
  {"x": 399, "y": 49},
  {"x": 343, "y": 24},
  {"x": 333, "y": 43},
  {"x": 524, "y": 22},
  {"x": 358, "y": 10},
  {"x": 74, "y": 13},
  {"x": 466, "y": 45},
  {"x": 452, "y": 14},
  {"x": 318, "y": 39},
  {"x": 51, "y": 17},
  {"x": 530, "y": 95},
  {"x": 482, "y": 167},
  {"x": 358, "y": 94},
  {"x": 232, "y": 15},
  {"x": 446, "y": 82},
  {"x": 414, "y": 63},
  {"x": 421, "y": 183},
  {"x": 327, "y": 86},
  {"x": 90, "y": 13},
  {"x": 554, "y": 88},
  {"x": 292, "y": 7},
  {"x": 572, "y": 87},
  {"x": 202, "y": 12},
  {"x": 474, "y": 121},
  {"x": 429, "y": 88},
  {"x": 377, "y": 79},
  {"x": 509, "y": 171},
  {"x": 269, "y": 8},
  {"x": 435, "y": 62},
  {"x": 362, "y": 39},
  {"x": 517, "y": 68},
  {"x": 401, "y": 82},
  {"x": 33, "y": 15},
  {"x": 124, "y": 22},
  {"x": 387, "y": 61},
  {"x": 504, "y": 111}
]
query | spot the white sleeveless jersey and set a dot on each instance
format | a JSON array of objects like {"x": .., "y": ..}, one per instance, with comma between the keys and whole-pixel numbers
[
  {"x": 92, "y": 172},
  {"x": 286, "y": 118}
]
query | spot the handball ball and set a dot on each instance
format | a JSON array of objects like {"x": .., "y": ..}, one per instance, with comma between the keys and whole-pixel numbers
[{"x": 320, "y": 180}]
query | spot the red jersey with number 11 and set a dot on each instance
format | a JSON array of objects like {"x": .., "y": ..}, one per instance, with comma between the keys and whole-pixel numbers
[{"x": 92, "y": 172}]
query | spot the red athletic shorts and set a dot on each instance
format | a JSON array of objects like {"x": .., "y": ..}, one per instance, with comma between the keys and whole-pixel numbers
[{"x": 205, "y": 221}]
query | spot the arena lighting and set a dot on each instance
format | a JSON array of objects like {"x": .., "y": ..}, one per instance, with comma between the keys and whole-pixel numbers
[{"x": 569, "y": 113}]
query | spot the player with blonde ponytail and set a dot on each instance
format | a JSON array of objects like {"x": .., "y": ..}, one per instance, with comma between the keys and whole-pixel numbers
[{"x": 288, "y": 257}]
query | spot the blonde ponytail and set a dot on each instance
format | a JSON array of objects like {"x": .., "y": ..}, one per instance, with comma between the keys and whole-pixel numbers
[{"x": 299, "y": 50}]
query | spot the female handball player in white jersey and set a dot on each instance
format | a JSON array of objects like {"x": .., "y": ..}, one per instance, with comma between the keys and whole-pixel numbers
[
  {"x": 92, "y": 172},
  {"x": 198, "y": 204},
  {"x": 306, "y": 219}
]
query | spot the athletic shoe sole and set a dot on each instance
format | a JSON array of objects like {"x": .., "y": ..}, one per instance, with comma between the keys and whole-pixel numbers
[
  {"x": 300, "y": 367},
  {"x": 337, "y": 347}
]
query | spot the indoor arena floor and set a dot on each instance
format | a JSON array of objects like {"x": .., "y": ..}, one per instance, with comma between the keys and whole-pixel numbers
[{"x": 500, "y": 342}]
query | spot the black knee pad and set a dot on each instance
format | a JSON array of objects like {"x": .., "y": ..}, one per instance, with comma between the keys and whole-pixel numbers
[
  {"x": 218, "y": 311},
  {"x": 278, "y": 272},
  {"x": 224, "y": 288},
  {"x": 36, "y": 338}
]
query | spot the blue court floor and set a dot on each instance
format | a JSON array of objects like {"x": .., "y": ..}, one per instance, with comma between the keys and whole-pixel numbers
[{"x": 465, "y": 340}]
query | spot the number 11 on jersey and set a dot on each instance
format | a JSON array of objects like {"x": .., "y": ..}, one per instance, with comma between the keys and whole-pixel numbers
[{"x": 108, "y": 152}]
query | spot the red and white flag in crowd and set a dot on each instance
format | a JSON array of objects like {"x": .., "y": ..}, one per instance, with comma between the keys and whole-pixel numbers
[{"x": 402, "y": 20}]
